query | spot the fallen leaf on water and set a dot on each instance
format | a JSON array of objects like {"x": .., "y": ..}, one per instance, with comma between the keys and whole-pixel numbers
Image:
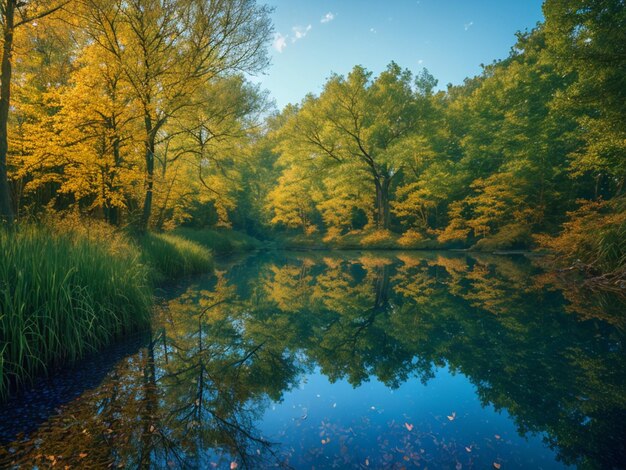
[
  {"x": 468, "y": 449},
  {"x": 452, "y": 416},
  {"x": 367, "y": 462},
  {"x": 151, "y": 428},
  {"x": 233, "y": 465},
  {"x": 325, "y": 441},
  {"x": 497, "y": 436},
  {"x": 496, "y": 465},
  {"x": 408, "y": 426},
  {"x": 82, "y": 455}
]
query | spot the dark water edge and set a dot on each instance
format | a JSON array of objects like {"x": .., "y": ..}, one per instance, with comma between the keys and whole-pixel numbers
[
  {"x": 26, "y": 410},
  {"x": 345, "y": 360}
]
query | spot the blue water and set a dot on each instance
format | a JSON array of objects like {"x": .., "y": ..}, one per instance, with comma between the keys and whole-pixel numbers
[
  {"x": 345, "y": 360},
  {"x": 441, "y": 424}
]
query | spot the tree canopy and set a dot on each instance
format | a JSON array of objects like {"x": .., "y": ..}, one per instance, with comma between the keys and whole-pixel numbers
[{"x": 141, "y": 113}]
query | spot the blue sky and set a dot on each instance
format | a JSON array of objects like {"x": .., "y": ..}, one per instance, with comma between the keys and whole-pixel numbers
[{"x": 451, "y": 38}]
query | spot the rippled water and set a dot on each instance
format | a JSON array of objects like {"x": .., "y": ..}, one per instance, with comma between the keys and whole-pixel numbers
[{"x": 353, "y": 360}]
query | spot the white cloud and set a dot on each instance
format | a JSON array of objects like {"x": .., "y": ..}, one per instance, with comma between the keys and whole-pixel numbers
[
  {"x": 420, "y": 62},
  {"x": 299, "y": 32},
  {"x": 328, "y": 17},
  {"x": 468, "y": 25},
  {"x": 280, "y": 42}
]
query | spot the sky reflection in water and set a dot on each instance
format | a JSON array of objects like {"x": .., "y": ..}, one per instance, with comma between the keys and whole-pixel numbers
[{"x": 350, "y": 360}]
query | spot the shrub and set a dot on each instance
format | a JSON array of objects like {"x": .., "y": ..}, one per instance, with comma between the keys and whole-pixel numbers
[
  {"x": 410, "y": 238},
  {"x": 594, "y": 236},
  {"x": 512, "y": 236},
  {"x": 379, "y": 239}
]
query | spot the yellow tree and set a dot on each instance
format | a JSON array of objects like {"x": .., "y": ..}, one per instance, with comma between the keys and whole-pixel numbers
[
  {"x": 357, "y": 120},
  {"x": 97, "y": 133},
  {"x": 13, "y": 15},
  {"x": 168, "y": 48}
]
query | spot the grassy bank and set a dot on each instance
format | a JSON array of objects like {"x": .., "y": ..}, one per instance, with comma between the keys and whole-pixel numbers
[
  {"x": 170, "y": 256},
  {"x": 219, "y": 241},
  {"x": 71, "y": 289},
  {"x": 62, "y": 296}
]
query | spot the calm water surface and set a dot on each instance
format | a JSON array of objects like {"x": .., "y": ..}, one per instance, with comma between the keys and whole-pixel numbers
[{"x": 353, "y": 360}]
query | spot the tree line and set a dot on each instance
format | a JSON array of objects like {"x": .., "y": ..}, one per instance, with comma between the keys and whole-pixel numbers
[
  {"x": 129, "y": 111},
  {"x": 534, "y": 142},
  {"x": 140, "y": 113}
]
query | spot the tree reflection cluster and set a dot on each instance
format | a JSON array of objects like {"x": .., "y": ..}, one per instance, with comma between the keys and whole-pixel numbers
[{"x": 225, "y": 348}]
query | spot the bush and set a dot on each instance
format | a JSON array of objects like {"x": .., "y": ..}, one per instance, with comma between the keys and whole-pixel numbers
[
  {"x": 594, "y": 237},
  {"x": 379, "y": 239},
  {"x": 509, "y": 237},
  {"x": 63, "y": 295}
]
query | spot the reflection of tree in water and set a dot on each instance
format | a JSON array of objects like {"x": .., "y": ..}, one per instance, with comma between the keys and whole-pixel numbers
[
  {"x": 226, "y": 349},
  {"x": 216, "y": 379},
  {"x": 189, "y": 398},
  {"x": 487, "y": 317}
]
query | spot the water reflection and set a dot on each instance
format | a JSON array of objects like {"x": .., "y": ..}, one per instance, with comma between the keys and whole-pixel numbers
[{"x": 226, "y": 350}]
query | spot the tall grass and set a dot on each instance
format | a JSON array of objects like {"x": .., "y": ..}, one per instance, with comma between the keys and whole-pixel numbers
[
  {"x": 63, "y": 295},
  {"x": 219, "y": 241},
  {"x": 171, "y": 256}
]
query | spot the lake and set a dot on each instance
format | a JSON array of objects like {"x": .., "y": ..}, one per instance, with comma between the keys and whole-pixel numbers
[{"x": 345, "y": 360}]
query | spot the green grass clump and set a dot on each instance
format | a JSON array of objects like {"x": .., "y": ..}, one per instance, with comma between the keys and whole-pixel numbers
[
  {"x": 170, "y": 256},
  {"x": 220, "y": 241},
  {"x": 63, "y": 295}
]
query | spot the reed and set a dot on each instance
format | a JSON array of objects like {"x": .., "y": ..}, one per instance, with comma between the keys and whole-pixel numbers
[{"x": 63, "y": 295}]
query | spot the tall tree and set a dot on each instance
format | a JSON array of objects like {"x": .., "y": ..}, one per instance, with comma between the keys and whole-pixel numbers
[
  {"x": 13, "y": 14},
  {"x": 587, "y": 41},
  {"x": 357, "y": 119},
  {"x": 168, "y": 48}
]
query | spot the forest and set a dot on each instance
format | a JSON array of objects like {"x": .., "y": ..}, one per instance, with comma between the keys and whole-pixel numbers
[
  {"x": 137, "y": 122},
  {"x": 390, "y": 271},
  {"x": 140, "y": 114}
]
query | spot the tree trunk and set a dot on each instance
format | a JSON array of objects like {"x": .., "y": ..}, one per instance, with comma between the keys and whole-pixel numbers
[
  {"x": 149, "y": 184},
  {"x": 382, "y": 287},
  {"x": 6, "y": 209},
  {"x": 383, "y": 218}
]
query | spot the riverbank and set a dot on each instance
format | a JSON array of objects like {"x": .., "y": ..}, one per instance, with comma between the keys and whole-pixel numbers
[
  {"x": 69, "y": 291},
  {"x": 599, "y": 263},
  {"x": 387, "y": 240}
]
